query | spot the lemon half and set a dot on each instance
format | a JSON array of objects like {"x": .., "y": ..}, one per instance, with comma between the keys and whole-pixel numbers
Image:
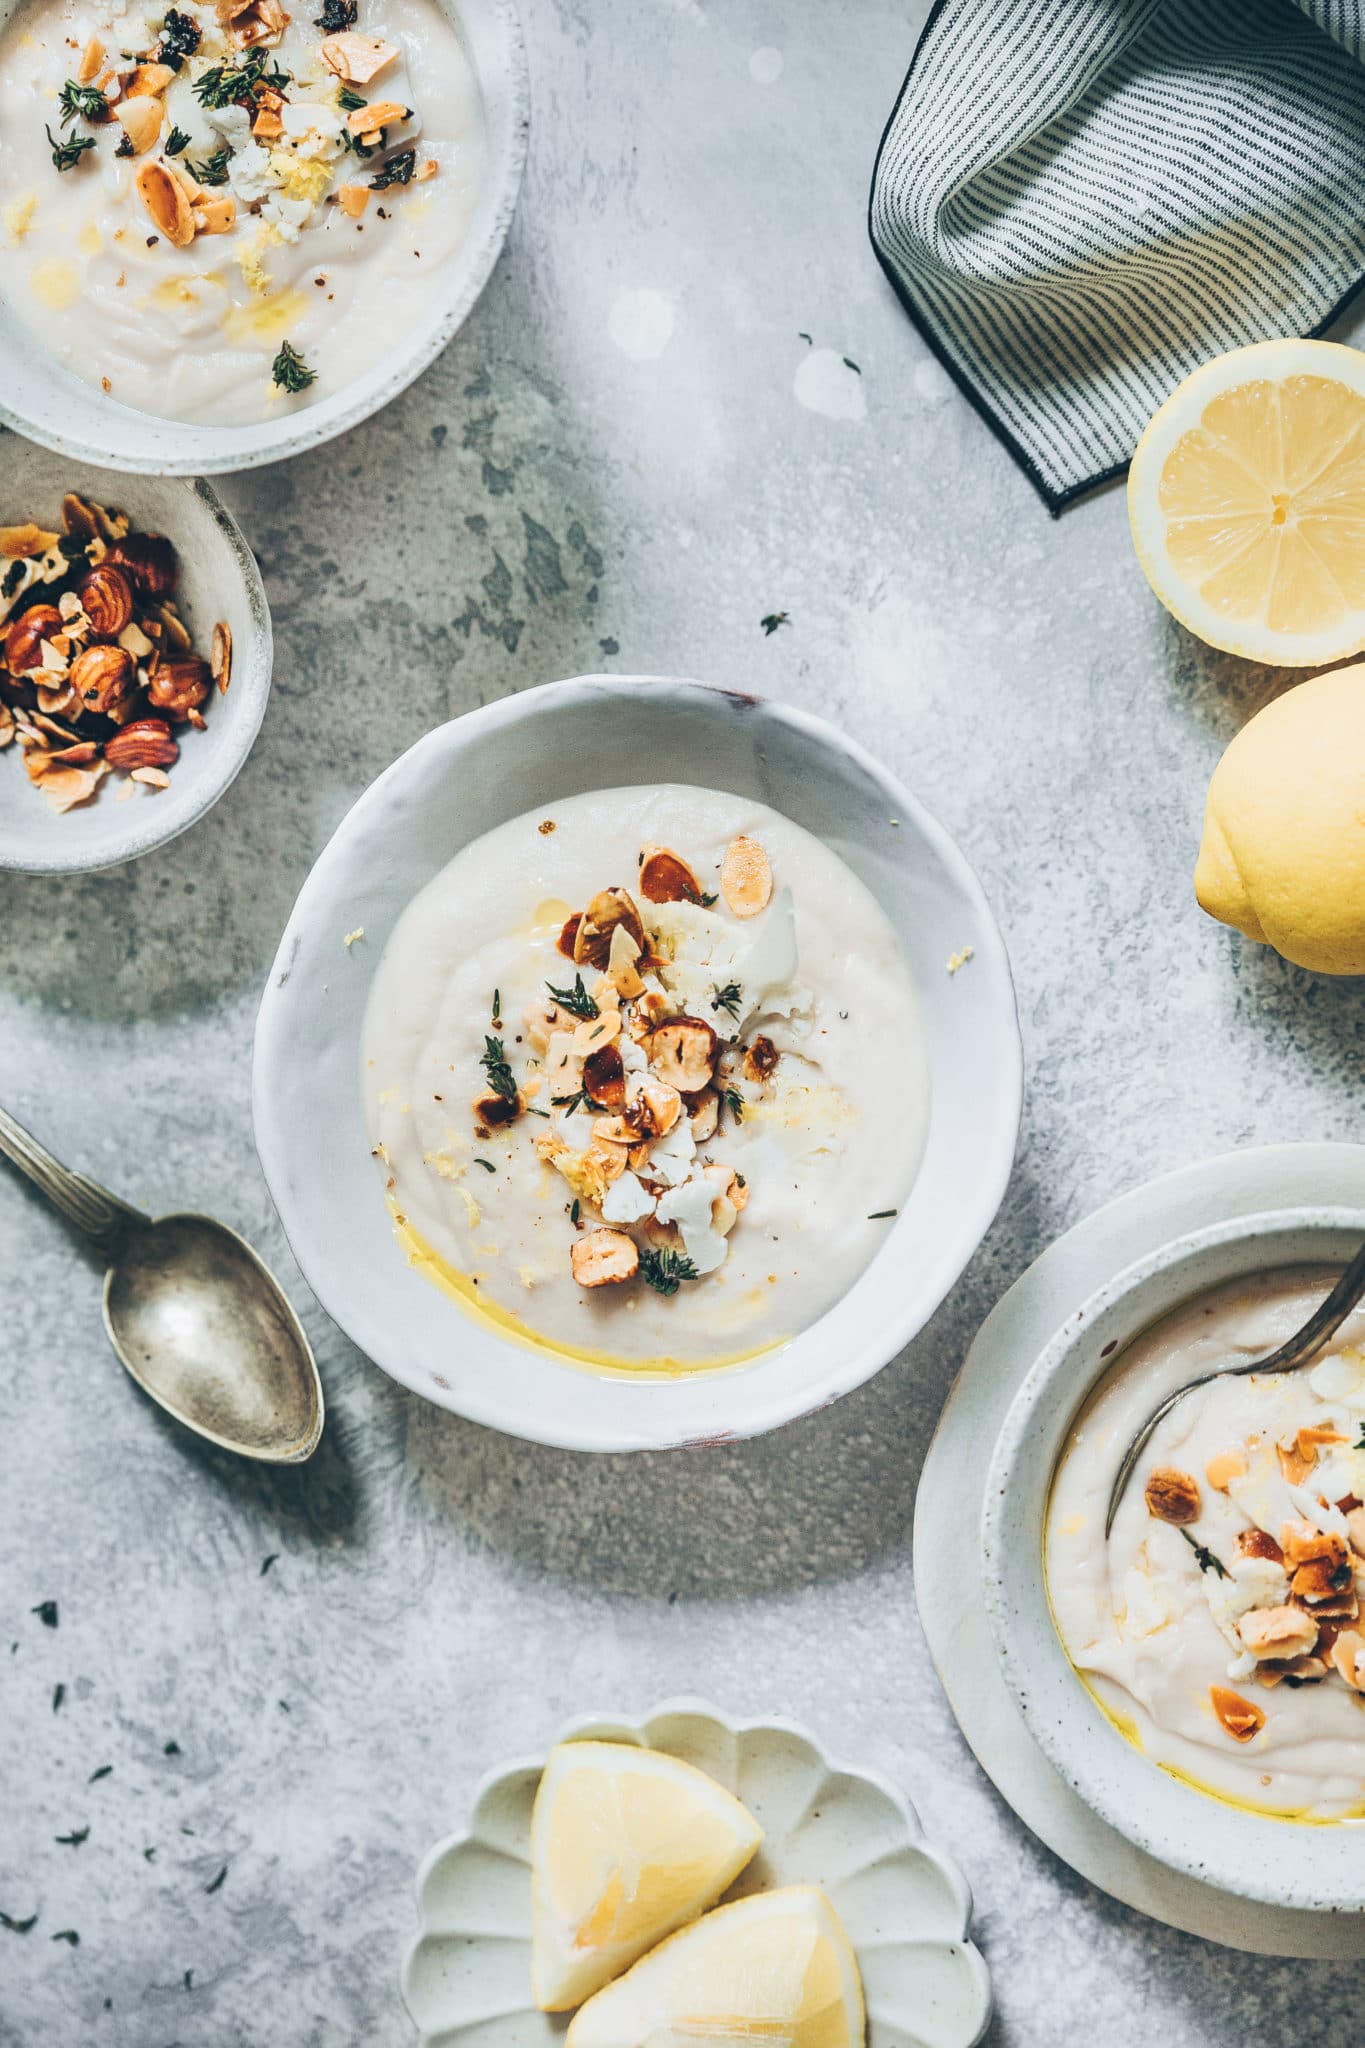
[
  {"x": 627, "y": 1844},
  {"x": 1246, "y": 498},
  {"x": 775, "y": 1970}
]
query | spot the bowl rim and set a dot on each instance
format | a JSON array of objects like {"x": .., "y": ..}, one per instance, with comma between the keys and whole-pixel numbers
[
  {"x": 221, "y": 769},
  {"x": 608, "y": 1727},
  {"x": 1241, "y": 1852},
  {"x": 185, "y": 448},
  {"x": 857, "y": 1362}
]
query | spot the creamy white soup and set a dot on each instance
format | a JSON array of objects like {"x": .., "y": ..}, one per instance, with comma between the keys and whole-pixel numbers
[
  {"x": 1219, "y": 1626},
  {"x": 216, "y": 214},
  {"x": 645, "y": 1079}
]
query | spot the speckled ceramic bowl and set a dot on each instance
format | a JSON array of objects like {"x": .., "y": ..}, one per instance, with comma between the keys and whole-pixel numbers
[
  {"x": 510, "y": 757},
  {"x": 41, "y": 398},
  {"x": 218, "y": 580},
  {"x": 1283, "y": 1863},
  {"x": 467, "y": 1976}
]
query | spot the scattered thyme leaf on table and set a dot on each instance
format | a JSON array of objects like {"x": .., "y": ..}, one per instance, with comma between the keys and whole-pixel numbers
[
  {"x": 266, "y": 1562},
  {"x": 102, "y": 1772},
  {"x": 575, "y": 1000},
  {"x": 18, "y": 1926},
  {"x": 68, "y": 1935},
  {"x": 772, "y": 620},
  {"x": 74, "y": 1839},
  {"x": 58, "y": 1695},
  {"x": 46, "y": 1611},
  {"x": 216, "y": 1884}
]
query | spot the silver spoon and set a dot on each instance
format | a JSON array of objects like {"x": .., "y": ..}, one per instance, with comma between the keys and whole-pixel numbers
[
  {"x": 1301, "y": 1349},
  {"x": 201, "y": 1324}
]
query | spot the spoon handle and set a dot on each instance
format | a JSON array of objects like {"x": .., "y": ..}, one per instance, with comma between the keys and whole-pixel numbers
[{"x": 102, "y": 1217}]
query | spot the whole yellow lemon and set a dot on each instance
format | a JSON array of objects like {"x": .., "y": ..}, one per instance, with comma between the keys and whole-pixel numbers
[{"x": 1283, "y": 853}]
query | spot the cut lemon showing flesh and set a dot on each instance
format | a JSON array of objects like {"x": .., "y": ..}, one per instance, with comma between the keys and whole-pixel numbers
[
  {"x": 626, "y": 1845},
  {"x": 1246, "y": 498},
  {"x": 775, "y": 1970}
]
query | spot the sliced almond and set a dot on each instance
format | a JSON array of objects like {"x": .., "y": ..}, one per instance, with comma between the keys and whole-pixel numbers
[
  {"x": 154, "y": 778},
  {"x": 1241, "y": 1718},
  {"x": 665, "y": 877},
  {"x": 653, "y": 1107},
  {"x": 1223, "y": 1469},
  {"x": 136, "y": 642},
  {"x": 149, "y": 81},
  {"x": 705, "y": 1116},
  {"x": 1303, "y": 1543},
  {"x": 1347, "y": 1658},
  {"x": 1278, "y": 1632},
  {"x": 92, "y": 56},
  {"x": 1322, "y": 1579},
  {"x": 356, "y": 59},
  {"x": 353, "y": 199},
  {"x": 595, "y": 1032},
  {"x": 216, "y": 215},
  {"x": 167, "y": 201},
  {"x": 140, "y": 120},
  {"x": 604, "y": 1258},
  {"x": 21, "y": 543},
  {"x": 746, "y": 879},
  {"x": 427, "y": 169},
  {"x": 621, "y": 969},
  {"x": 220, "y": 656},
  {"x": 267, "y": 126},
  {"x": 1295, "y": 1463},
  {"x": 593, "y": 932},
  {"x": 380, "y": 114},
  {"x": 683, "y": 1053}
]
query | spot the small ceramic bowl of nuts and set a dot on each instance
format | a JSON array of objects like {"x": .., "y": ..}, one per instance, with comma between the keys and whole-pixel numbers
[{"x": 135, "y": 657}]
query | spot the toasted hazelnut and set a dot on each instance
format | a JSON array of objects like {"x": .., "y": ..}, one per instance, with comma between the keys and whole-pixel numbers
[
  {"x": 665, "y": 877},
  {"x": 683, "y": 1053},
  {"x": 146, "y": 743},
  {"x": 106, "y": 598},
  {"x": 220, "y": 656},
  {"x": 1278, "y": 1632},
  {"x": 653, "y": 1106},
  {"x": 568, "y": 937},
  {"x": 140, "y": 119},
  {"x": 604, "y": 1258},
  {"x": 604, "y": 1077},
  {"x": 353, "y": 199},
  {"x": 166, "y": 199},
  {"x": 493, "y": 1110},
  {"x": 356, "y": 59},
  {"x": 746, "y": 879},
  {"x": 179, "y": 687},
  {"x": 100, "y": 674},
  {"x": 1173, "y": 1496},
  {"x": 24, "y": 640},
  {"x": 705, "y": 1115},
  {"x": 149, "y": 559},
  {"x": 608, "y": 909},
  {"x": 759, "y": 1059},
  {"x": 92, "y": 56},
  {"x": 1241, "y": 1718},
  {"x": 1258, "y": 1543}
]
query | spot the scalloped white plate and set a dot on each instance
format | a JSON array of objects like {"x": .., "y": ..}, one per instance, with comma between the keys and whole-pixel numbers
[{"x": 467, "y": 1977}]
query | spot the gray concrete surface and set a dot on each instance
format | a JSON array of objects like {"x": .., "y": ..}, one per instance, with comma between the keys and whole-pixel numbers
[{"x": 546, "y": 501}]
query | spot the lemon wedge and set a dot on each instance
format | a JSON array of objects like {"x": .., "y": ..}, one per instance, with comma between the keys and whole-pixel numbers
[
  {"x": 1246, "y": 497},
  {"x": 626, "y": 1845},
  {"x": 775, "y": 1969}
]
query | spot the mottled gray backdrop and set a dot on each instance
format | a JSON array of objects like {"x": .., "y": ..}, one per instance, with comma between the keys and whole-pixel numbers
[{"x": 628, "y": 457}]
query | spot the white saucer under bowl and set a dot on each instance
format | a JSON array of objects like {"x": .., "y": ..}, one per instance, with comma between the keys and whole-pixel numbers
[
  {"x": 599, "y": 732},
  {"x": 467, "y": 1976}
]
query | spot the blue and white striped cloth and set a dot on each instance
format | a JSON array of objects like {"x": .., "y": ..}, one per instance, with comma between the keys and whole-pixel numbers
[{"x": 1079, "y": 201}]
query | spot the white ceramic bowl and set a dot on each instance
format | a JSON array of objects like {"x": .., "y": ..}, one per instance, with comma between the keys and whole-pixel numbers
[
  {"x": 1280, "y": 1862},
  {"x": 218, "y": 580},
  {"x": 523, "y": 753},
  {"x": 906, "y": 1910},
  {"x": 41, "y": 398}
]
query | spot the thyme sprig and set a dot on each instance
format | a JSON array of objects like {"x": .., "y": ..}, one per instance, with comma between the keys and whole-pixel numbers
[
  {"x": 1205, "y": 1559},
  {"x": 493, "y": 1060},
  {"x": 729, "y": 998},
  {"x": 290, "y": 371},
  {"x": 397, "y": 170},
  {"x": 81, "y": 102},
  {"x": 65, "y": 155},
  {"x": 176, "y": 141},
  {"x": 180, "y": 38},
  {"x": 225, "y": 85},
  {"x": 575, "y": 1000},
  {"x": 665, "y": 1271},
  {"x": 214, "y": 169}
]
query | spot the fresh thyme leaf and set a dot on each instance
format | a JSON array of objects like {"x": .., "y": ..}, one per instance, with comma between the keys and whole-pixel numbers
[
  {"x": 493, "y": 1060},
  {"x": 65, "y": 154},
  {"x": 58, "y": 1695},
  {"x": 575, "y": 1000},
  {"x": 849, "y": 364},
  {"x": 176, "y": 141},
  {"x": 214, "y": 169},
  {"x": 665, "y": 1271},
  {"x": 74, "y": 1839},
  {"x": 734, "y": 1102},
  {"x": 772, "y": 620},
  {"x": 581, "y": 1100},
  {"x": 266, "y": 1562},
  {"x": 225, "y": 85},
  {"x": 103, "y": 1772},
  {"x": 171, "y": 1749},
  {"x": 497, "y": 1006},
  {"x": 46, "y": 1611},
  {"x": 698, "y": 896},
  {"x": 1206, "y": 1560},
  {"x": 290, "y": 371},
  {"x": 217, "y": 1884},
  {"x": 575, "y": 1210},
  {"x": 180, "y": 38},
  {"x": 877, "y": 1215},
  {"x": 730, "y": 998},
  {"x": 68, "y": 1935},
  {"x": 486, "y": 1164},
  {"x": 149, "y": 1855},
  {"x": 335, "y": 16},
  {"x": 81, "y": 103},
  {"x": 350, "y": 102},
  {"x": 1360, "y": 1440},
  {"x": 397, "y": 170},
  {"x": 18, "y": 1926}
]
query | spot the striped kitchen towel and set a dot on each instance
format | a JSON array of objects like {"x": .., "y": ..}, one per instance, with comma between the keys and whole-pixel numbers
[{"x": 1079, "y": 201}]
